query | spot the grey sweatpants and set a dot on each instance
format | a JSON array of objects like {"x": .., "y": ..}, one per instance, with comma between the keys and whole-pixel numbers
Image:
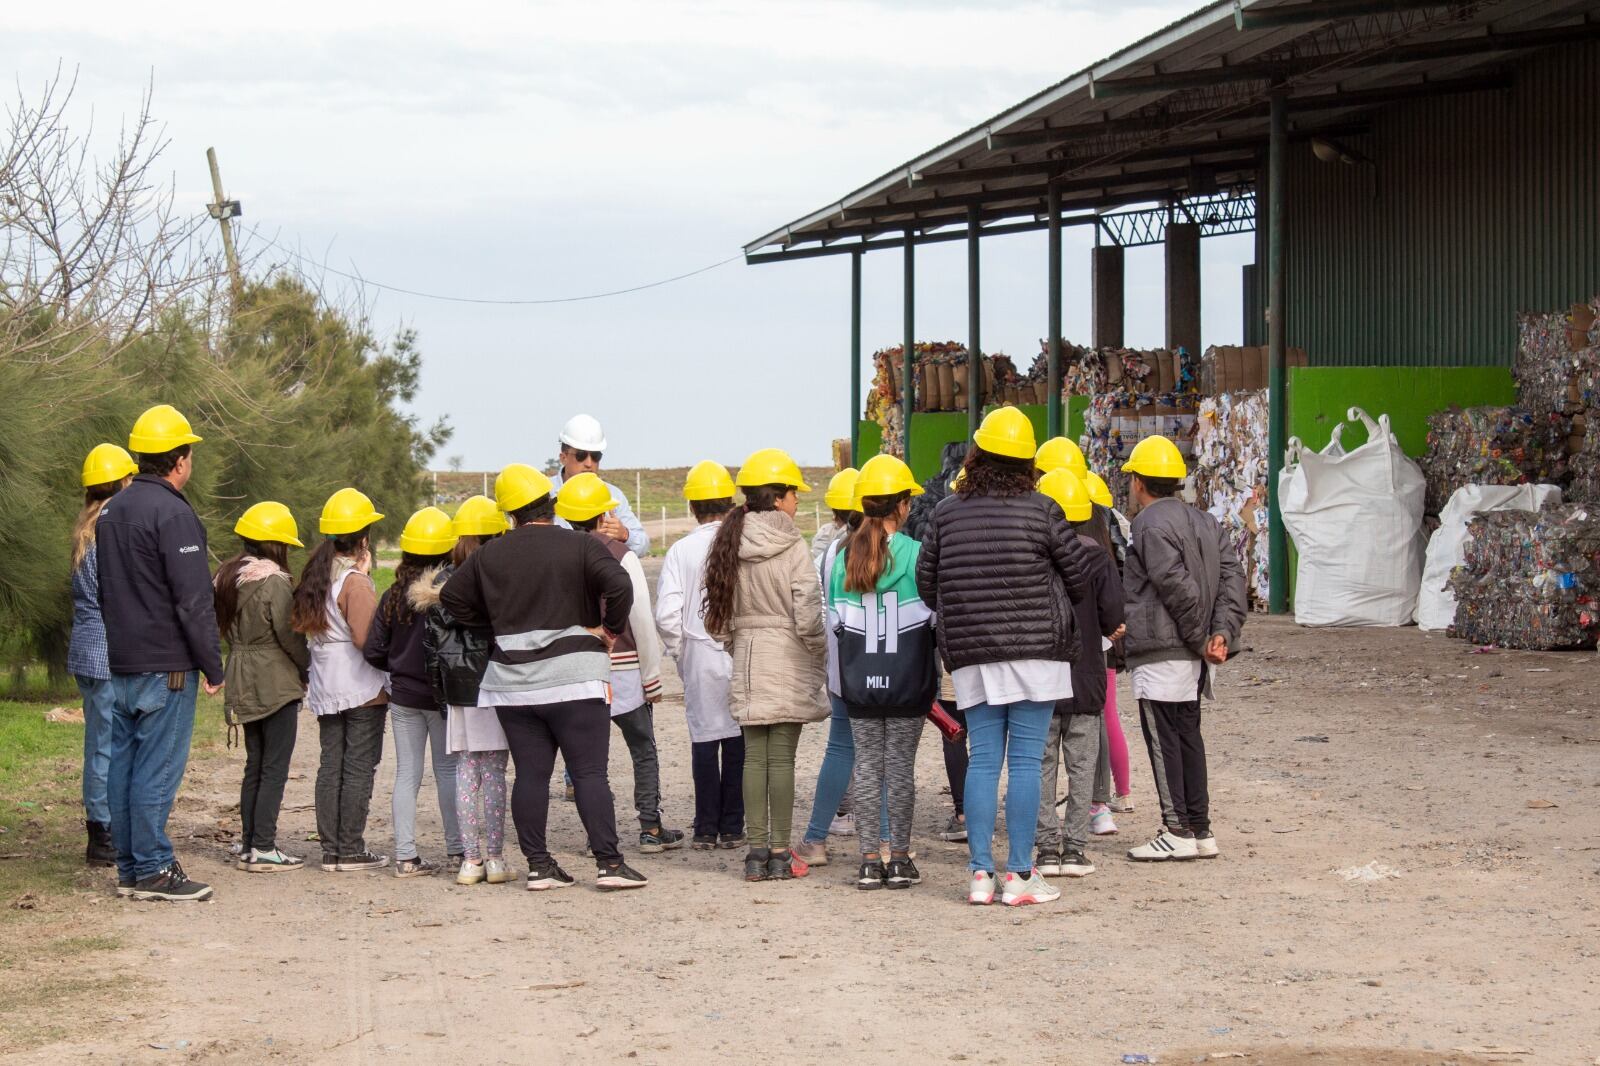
[
  {"x": 886, "y": 765},
  {"x": 415, "y": 730},
  {"x": 1078, "y": 738},
  {"x": 639, "y": 733}
]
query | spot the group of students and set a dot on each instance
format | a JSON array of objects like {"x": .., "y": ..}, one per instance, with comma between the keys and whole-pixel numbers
[{"x": 505, "y": 636}]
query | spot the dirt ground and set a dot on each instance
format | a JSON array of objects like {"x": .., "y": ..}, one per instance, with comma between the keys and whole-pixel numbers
[{"x": 1475, "y": 777}]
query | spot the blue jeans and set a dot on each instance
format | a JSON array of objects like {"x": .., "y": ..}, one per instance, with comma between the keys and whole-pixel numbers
[
  {"x": 151, "y": 727},
  {"x": 833, "y": 779},
  {"x": 1013, "y": 733},
  {"x": 98, "y": 699}
]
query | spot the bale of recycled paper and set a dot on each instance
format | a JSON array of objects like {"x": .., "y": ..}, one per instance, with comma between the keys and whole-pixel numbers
[
  {"x": 1356, "y": 520},
  {"x": 947, "y": 387},
  {"x": 1436, "y": 600}
]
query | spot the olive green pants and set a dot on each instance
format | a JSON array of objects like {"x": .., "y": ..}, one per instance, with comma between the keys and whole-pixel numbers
[{"x": 769, "y": 783}]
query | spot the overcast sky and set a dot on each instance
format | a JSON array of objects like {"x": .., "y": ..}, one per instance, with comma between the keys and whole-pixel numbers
[{"x": 536, "y": 150}]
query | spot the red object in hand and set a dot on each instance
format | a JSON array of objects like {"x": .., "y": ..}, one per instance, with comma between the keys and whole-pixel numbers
[{"x": 952, "y": 729}]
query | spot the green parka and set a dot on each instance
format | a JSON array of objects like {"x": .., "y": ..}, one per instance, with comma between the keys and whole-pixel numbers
[{"x": 267, "y": 660}]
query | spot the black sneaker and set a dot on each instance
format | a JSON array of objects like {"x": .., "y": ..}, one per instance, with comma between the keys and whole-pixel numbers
[
  {"x": 124, "y": 886},
  {"x": 780, "y": 866},
  {"x": 1074, "y": 864},
  {"x": 729, "y": 841},
  {"x": 903, "y": 873},
  {"x": 620, "y": 876},
  {"x": 417, "y": 867},
  {"x": 330, "y": 863},
  {"x": 755, "y": 864},
  {"x": 546, "y": 877},
  {"x": 169, "y": 883},
  {"x": 657, "y": 839},
  {"x": 364, "y": 861},
  {"x": 703, "y": 841},
  {"x": 871, "y": 876}
]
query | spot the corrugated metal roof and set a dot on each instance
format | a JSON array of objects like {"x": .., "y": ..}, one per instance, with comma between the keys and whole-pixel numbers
[{"x": 1106, "y": 140}]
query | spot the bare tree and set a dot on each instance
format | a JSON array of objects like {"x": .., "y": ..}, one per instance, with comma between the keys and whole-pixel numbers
[{"x": 93, "y": 245}]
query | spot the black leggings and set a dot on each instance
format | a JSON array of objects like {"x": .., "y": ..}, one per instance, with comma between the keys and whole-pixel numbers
[
  {"x": 955, "y": 758},
  {"x": 581, "y": 731},
  {"x": 268, "y": 746}
]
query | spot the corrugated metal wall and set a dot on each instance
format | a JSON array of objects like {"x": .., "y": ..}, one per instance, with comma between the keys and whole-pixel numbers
[{"x": 1479, "y": 206}]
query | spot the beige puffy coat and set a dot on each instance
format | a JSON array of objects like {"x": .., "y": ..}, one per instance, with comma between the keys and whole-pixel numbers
[{"x": 776, "y": 638}]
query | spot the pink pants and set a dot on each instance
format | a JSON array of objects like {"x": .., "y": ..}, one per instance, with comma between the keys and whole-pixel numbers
[{"x": 1116, "y": 743}]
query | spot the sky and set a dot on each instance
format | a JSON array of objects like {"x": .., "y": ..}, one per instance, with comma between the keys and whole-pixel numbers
[{"x": 524, "y": 151}]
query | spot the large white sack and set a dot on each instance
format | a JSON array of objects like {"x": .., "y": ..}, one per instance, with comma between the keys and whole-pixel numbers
[
  {"x": 1436, "y": 604},
  {"x": 1356, "y": 520}
]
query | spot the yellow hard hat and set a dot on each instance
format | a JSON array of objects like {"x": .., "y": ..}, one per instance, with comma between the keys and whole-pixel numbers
[
  {"x": 428, "y": 532},
  {"x": 106, "y": 463},
  {"x": 770, "y": 466},
  {"x": 583, "y": 497},
  {"x": 347, "y": 511},
  {"x": 1006, "y": 431},
  {"x": 1156, "y": 456},
  {"x": 841, "y": 493},
  {"x": 1060, "y": 453},
  {"x": 1067, "y": 489},
  {"x": 708, "y": 480},
  {"x": 268, "y": 522},
  {"x": 955, "y": 482},
  {"x": 160, "y": 429},
  {"x": 884, "y": 475},
  {"x": 1099, "y": 491},
  {"x": 479, "y": 517},
  {"x": 519, "y": 485}
]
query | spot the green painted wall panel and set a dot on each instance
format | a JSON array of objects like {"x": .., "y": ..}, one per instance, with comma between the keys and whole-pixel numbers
[
  {"x": 932, "y": 430},
  {"x": 1475, "y": 207},
  {"x": 1408, "y": 395}
]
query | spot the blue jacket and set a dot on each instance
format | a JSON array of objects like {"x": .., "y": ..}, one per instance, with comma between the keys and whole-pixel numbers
[{"x": 155, "y": 583}]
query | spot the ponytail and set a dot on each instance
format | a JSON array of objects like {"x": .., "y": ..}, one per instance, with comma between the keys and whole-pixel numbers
[
  {"x": 722, "y": 562},
  {"x": 867, "y": 545}
]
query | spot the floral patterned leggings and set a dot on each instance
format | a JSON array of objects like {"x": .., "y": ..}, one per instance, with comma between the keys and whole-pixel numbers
[{"x": 481, "y": 802}]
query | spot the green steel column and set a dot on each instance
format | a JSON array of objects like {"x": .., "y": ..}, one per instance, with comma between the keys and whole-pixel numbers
[
  {"x": 974, "y": 359},
  {"x": 855, "y": 358},
  {"x": 908, "y": 389},
  {"x": 1277, "y": 415},
  {"x": 1053, "y": 357}
]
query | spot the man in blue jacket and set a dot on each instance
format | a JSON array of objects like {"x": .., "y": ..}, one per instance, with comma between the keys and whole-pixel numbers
[{"x": 161, "y": 633}]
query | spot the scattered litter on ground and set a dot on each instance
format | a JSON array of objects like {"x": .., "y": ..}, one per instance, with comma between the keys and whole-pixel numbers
[
  {"x": 65, "y": 715},
  {"x": 1372, "y": 871},
  {"x": 1541, "y": 804},
  {"x": 1138, "y": 1058},
  {"x": 1320, "y": 738}
]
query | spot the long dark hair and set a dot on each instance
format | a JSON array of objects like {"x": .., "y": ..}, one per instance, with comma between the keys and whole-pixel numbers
[
  {"x": 468, "y": 544},
  {"x": 722, "y": 562},
  {"x": 396, "y": 605},
  {"x": 225, "y": 586},
  {"x": 867, "y": 545},
  {"x": 310, "y": 613},
  {"x": 1097, "y": 527},
  {"x": 94, "y": 498},
  {"x": 989, "y": 474}
]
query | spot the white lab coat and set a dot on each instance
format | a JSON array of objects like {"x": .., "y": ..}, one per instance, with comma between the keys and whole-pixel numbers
[{"x": 703, "y": 664}]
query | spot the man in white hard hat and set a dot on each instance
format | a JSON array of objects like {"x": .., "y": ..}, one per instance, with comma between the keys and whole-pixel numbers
[{"x": 582, "y": 442}]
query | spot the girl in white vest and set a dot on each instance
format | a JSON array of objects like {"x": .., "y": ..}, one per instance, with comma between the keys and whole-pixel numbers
[{"x": 334, "y": 605}]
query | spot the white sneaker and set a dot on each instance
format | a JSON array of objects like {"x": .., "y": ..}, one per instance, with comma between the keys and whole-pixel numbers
[
  {"x": 1021, "y": 891},
  {"x": 1205, "y": 846},
  {"x": 1163, "y": 847},
  {"x": 497, "y": 871},
  {"x": 1121, "y": 804},
  {"x": 471, "y": 873},
  {"x": 1101, "y": 824},
  {"x": 981, "y": 892},
  {"x": 843, "y": 825}
]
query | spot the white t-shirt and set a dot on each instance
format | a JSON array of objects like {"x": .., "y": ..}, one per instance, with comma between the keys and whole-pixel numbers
[
  {"x": 578, "y": 690},
  {"x": 1173, "y": 681},
  {"x": 1035, "y": 680}
]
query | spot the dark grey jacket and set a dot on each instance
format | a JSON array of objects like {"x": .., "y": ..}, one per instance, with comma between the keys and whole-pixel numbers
[
  {"x": 1003, "y": 573},
  {"x": 1184, "y": 583}
]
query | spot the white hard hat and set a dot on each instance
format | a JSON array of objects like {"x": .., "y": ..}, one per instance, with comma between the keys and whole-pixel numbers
[{"x": 584, "y": 432}]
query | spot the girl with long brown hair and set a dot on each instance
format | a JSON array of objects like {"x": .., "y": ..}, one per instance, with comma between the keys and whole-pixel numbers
[
  {"x": 763, "y": 602},
  {"x": 106, "y": 470},
  {"x": 334, "y": 605},
  {"x": 267, "y": 662}
]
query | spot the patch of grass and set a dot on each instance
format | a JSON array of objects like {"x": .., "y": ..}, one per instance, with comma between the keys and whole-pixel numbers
[{"x": 32, "y": 681}]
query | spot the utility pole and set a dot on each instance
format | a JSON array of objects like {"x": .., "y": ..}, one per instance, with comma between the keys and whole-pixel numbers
[{"x": 224, "y": 211}]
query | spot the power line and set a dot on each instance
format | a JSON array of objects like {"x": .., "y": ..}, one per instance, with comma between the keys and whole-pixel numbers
[{"x": 479, "y": 300}]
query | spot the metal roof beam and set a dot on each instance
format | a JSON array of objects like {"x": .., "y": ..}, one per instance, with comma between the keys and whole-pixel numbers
[
  {"x": 1038, "y": 192},
  {"x": 1050, "y": 168},
  {"x": 1322, "y": 11},
  {"x": 1316, "y": 102},
  {"x": 1288, "y": 68}
]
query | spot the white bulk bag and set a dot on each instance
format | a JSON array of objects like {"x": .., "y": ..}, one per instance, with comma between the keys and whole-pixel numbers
[
  {"x": 1436, "y": 604},
  {"x": 1356, "y": 520}
]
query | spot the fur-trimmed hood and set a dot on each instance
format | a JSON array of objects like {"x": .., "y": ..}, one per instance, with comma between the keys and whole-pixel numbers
[{"x": 424, "y": 591}]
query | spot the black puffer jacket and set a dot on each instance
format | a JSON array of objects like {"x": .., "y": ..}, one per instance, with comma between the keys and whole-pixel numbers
[
  {"x": 456, "y": 657},
  {"x": 1003, "y": 573},
  {"x": 935, "y": 489}
]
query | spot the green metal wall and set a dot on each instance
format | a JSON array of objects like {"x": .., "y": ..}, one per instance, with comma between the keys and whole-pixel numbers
[{"x": 1479, "y": 206}]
